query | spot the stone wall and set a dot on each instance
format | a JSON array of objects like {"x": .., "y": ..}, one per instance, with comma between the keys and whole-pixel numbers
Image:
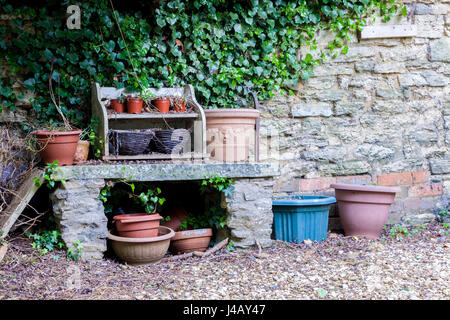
[{"x": 380, "y": 114}]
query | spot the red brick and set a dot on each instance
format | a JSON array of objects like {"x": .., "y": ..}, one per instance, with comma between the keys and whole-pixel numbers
[
  {"x": 395, "y": 179},
  {"x": 364, "y": 179},
  {"x": 425, "y": 190},
  {"x": 315, "y": 184},
  {"x": 420, "y": 176}
]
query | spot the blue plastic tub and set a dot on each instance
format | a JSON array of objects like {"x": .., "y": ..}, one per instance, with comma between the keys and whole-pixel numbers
[{"x": 297, "y": 218}]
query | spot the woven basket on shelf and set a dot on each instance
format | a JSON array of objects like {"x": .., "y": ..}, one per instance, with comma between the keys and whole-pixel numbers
[
  {"x": 131, "y": 142},
  {"x": 165, "y": 141}
]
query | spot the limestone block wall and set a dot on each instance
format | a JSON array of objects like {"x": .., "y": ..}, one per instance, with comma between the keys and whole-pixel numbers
[{"x": 380, "y": 114}]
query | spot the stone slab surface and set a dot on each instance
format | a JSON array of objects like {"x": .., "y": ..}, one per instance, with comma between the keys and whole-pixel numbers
[{"x": 169, "y": 171}]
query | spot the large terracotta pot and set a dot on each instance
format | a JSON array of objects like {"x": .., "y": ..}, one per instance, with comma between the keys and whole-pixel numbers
[
  {"x": 177, "y": 216},
  {"x": 136, "y": 251},
  {"x": 137, "y": 225},
  {"x": 364, "y": 210},
  {"x": 82, "y": 151},
  {"x": 230, "y": 133},
  {"x": 57, "y": 145},
  {"x": 191, "y": 240}
]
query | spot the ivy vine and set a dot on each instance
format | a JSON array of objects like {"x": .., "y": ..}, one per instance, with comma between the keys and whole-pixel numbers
[{"x": 225, "y": 49}]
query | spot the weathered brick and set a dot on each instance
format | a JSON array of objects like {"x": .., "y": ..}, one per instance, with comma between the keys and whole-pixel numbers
[
  {"x": 315, "y": 184},
  {"x": 312, "y": 109},
  {"x": 287, "y": 186},
  {"x": 395, "y": 179},
  {"x": 420, "y": 176},
  {"x": 411, "y": 204},
  {"x": 440, "y": 166},
  {"x": 425, "y": 190}
]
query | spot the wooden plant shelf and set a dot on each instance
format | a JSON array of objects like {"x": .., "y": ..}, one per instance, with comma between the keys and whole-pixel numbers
[
  {"x": 159, "y": 156},
  {"x": 149, "y": 115},
  {"x": 194, "y": 121}
]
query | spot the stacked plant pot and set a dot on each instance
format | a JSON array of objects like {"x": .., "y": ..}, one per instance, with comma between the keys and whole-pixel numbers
[
  {"x": 185, "y": 241},
  {"x": 139, "y": 238}
]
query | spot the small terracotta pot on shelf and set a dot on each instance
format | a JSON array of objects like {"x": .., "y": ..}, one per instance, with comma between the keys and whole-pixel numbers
[
  {"x": 137, "y": 225},
  {"x": 117, "y": 106},
  {"x": 162, "y": 104},
  {"x": 179, "y": 107},
  {"x": 191, "y": 240},
  {"x": 135, "y": 105}
]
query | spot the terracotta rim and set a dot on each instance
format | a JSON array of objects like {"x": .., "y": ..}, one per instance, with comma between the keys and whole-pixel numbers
[
  {"x": 359, "y": 187},
  {"x": 138, "y": 217},
  {"x": 170, "y": 234},
  {"x": 57, "y": 133},
  {"x": 241, "y": 113},
  {"x": 196, "y": 233}
]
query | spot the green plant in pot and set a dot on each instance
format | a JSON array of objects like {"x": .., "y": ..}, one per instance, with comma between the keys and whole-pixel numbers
[
  {"x": 57, "y": 143},
  {"x": 137, "y": 225},
  {"x": 118, "y": 104},
  {"x": 195, "y": 231}
]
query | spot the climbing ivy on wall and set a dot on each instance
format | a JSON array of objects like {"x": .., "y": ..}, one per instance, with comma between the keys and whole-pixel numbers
[{"x": 223, "y": 48}]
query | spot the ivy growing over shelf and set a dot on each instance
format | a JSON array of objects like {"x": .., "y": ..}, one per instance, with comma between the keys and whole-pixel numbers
[{"x": 223, "y": 48}]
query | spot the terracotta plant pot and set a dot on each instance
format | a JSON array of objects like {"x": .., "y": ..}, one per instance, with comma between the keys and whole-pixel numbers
[
  {"x": 179, "y": 107},
  {"x": 137, "y": 225},
  {"x": 177, "y": 216},
  {"x": 191, "y": 240},
  {"x": 137, "y": 251},
  {"x": 364, "y": 210},
  {"x": 135, "y": 105},
  {"x": 117, "y": 106},
  {"x": 163, "y": 105},
  {"x": 230, "y": 132},
  {"x": 82, "y": 151},
  {"x": 58, "y": 145}
]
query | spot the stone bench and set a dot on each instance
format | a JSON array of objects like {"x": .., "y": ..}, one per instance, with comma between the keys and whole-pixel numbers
[{"x": 80, "y": 214}]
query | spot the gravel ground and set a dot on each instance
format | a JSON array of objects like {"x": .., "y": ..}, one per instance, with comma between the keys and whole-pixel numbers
[{"x": 413, "y": 266}]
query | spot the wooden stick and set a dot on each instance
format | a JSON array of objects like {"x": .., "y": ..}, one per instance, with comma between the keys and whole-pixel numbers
[
  {"x": 3, "y": 249},
  {"x": 200, "y": 254},
  {"x": 259, "y": 254},
  {"x": 217, "y": 247}
]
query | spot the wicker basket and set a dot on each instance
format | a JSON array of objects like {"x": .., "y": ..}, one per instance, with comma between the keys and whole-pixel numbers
[
  {"x": 131, "y": 142},
  {"x": 165, "y": 141}
]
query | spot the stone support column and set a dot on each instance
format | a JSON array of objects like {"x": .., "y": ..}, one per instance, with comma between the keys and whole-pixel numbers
[
  {"x": 80, "y": 216},
  {"x": 250, "y": 214}
]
